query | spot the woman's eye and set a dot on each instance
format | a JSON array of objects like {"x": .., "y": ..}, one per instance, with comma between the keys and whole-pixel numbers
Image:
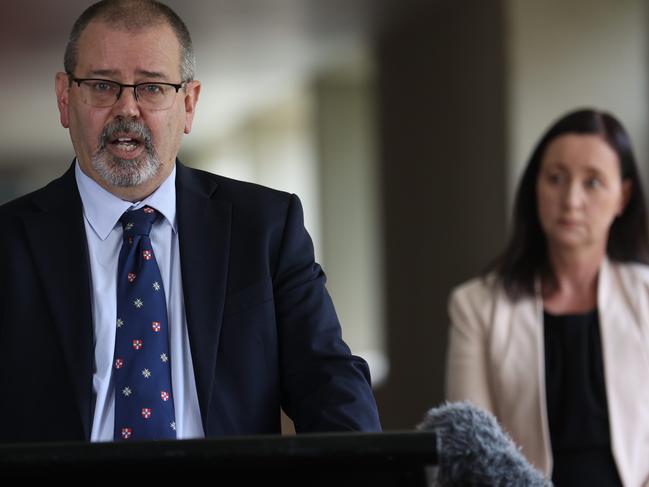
[{"x": 593, "y": 183}]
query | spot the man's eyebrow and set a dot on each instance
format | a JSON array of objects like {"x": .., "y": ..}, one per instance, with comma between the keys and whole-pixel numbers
[
  {"x": 103, "y": 72},
  {"x": 113, "y": 73},
  {"x": 150, "y": 74}
]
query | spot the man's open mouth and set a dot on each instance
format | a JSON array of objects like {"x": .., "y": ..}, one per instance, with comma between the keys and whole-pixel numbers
[{"x": 126, "y": 142}]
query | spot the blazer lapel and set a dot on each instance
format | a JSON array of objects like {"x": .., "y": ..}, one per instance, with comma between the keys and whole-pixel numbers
[
  {"x": 520, "y": 350},
  {"x": 204, "y": 233},
  {"x": 623, "y": 311},
  {"x": 57, "y": 239}
]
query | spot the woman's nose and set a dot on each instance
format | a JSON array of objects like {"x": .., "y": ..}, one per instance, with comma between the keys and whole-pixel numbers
[{"x": 573, "y": 195}]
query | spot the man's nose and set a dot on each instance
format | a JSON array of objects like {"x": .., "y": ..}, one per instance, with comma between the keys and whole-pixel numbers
[{"x": 127, "y": 105}]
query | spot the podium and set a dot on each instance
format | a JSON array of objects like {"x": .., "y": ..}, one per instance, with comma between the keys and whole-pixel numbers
[{"x": 333, "y": 459}]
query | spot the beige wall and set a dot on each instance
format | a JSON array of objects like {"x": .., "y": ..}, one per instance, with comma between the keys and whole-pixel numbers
[
  {"x": 352, "y": 248},
  {"x": 564, "y": 54}
]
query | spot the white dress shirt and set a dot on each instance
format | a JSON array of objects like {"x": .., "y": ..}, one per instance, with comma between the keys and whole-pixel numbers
[{"x": 102, "y": 211}]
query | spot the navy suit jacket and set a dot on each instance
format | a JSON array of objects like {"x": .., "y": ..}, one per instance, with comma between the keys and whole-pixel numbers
[{"x": 262, "y": 327}]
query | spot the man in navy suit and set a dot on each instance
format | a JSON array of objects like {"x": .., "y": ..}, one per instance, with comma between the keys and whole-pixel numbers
[{"x": 251, "y": 325}]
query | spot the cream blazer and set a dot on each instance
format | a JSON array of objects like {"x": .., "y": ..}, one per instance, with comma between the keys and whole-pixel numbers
[{"x": 496, "y": 360}]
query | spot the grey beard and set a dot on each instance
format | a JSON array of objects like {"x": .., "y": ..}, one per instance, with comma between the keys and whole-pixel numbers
[{"x": 126, "y": 173}]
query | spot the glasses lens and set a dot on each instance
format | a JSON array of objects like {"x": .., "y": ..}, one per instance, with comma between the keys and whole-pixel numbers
[
  {"x": 155, "y": 96},
  {"x": 99, "y": 93}
]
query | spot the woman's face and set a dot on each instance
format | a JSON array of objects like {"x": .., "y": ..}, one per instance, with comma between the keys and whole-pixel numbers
[{"x": 579, "y": 192}]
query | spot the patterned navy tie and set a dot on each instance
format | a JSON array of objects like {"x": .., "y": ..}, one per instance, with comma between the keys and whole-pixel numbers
[{"x": 144, "y": 406}]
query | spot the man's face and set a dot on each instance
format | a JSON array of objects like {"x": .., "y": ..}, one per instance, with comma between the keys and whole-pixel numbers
[{"x": 126, "y": 148}]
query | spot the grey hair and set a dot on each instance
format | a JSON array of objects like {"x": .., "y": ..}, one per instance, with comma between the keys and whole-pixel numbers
[{"x": 133, "y": 15}]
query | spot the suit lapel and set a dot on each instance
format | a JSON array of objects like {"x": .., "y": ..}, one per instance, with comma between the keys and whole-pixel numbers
[
  {"x": 204, "y": 233},
  {"x": 57, "y": 239},
  {"x": 621, "y": 301},
  {"x": 518, "y": 353}
]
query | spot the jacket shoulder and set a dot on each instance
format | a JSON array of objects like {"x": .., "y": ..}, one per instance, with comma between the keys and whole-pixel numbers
[
  {"x": 238, "y": 189},
  {"x": 476, "y": 290},
  {"x": 634, "y": 270},
  {"x": 473, "y": 300},
  {"x": 22, "y": 204},
  {"x": 633, "y": 277},
  {"x": 244, "y": 196},
  {"x": 59, "y": 192}
]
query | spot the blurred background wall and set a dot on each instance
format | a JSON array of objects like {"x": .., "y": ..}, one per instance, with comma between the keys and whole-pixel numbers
[{"x": 403, "y": 126}]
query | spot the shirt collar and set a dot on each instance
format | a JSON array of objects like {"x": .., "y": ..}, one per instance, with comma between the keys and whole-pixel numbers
[{"x": 103, "y": 209}]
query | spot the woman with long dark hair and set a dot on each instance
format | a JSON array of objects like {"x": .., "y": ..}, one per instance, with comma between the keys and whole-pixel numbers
[{"x": 554, "y": 337}]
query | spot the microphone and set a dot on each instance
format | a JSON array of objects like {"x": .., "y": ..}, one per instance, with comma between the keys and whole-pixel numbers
[{"x": 473, "y": 450}]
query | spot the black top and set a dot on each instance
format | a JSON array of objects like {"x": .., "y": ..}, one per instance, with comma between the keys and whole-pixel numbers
[{"x": 576, "y": 401}]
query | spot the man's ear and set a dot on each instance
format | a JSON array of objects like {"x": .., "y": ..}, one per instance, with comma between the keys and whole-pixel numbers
[
  {"x": 192, "y": 91},
  {"x": 62, "y": 86}
]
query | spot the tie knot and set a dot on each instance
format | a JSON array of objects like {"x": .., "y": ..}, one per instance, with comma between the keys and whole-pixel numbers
[{"x": 138, "y": 222}]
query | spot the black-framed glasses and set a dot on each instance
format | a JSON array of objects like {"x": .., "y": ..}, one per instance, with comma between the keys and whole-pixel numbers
[{"x": 104, "y": 93}]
